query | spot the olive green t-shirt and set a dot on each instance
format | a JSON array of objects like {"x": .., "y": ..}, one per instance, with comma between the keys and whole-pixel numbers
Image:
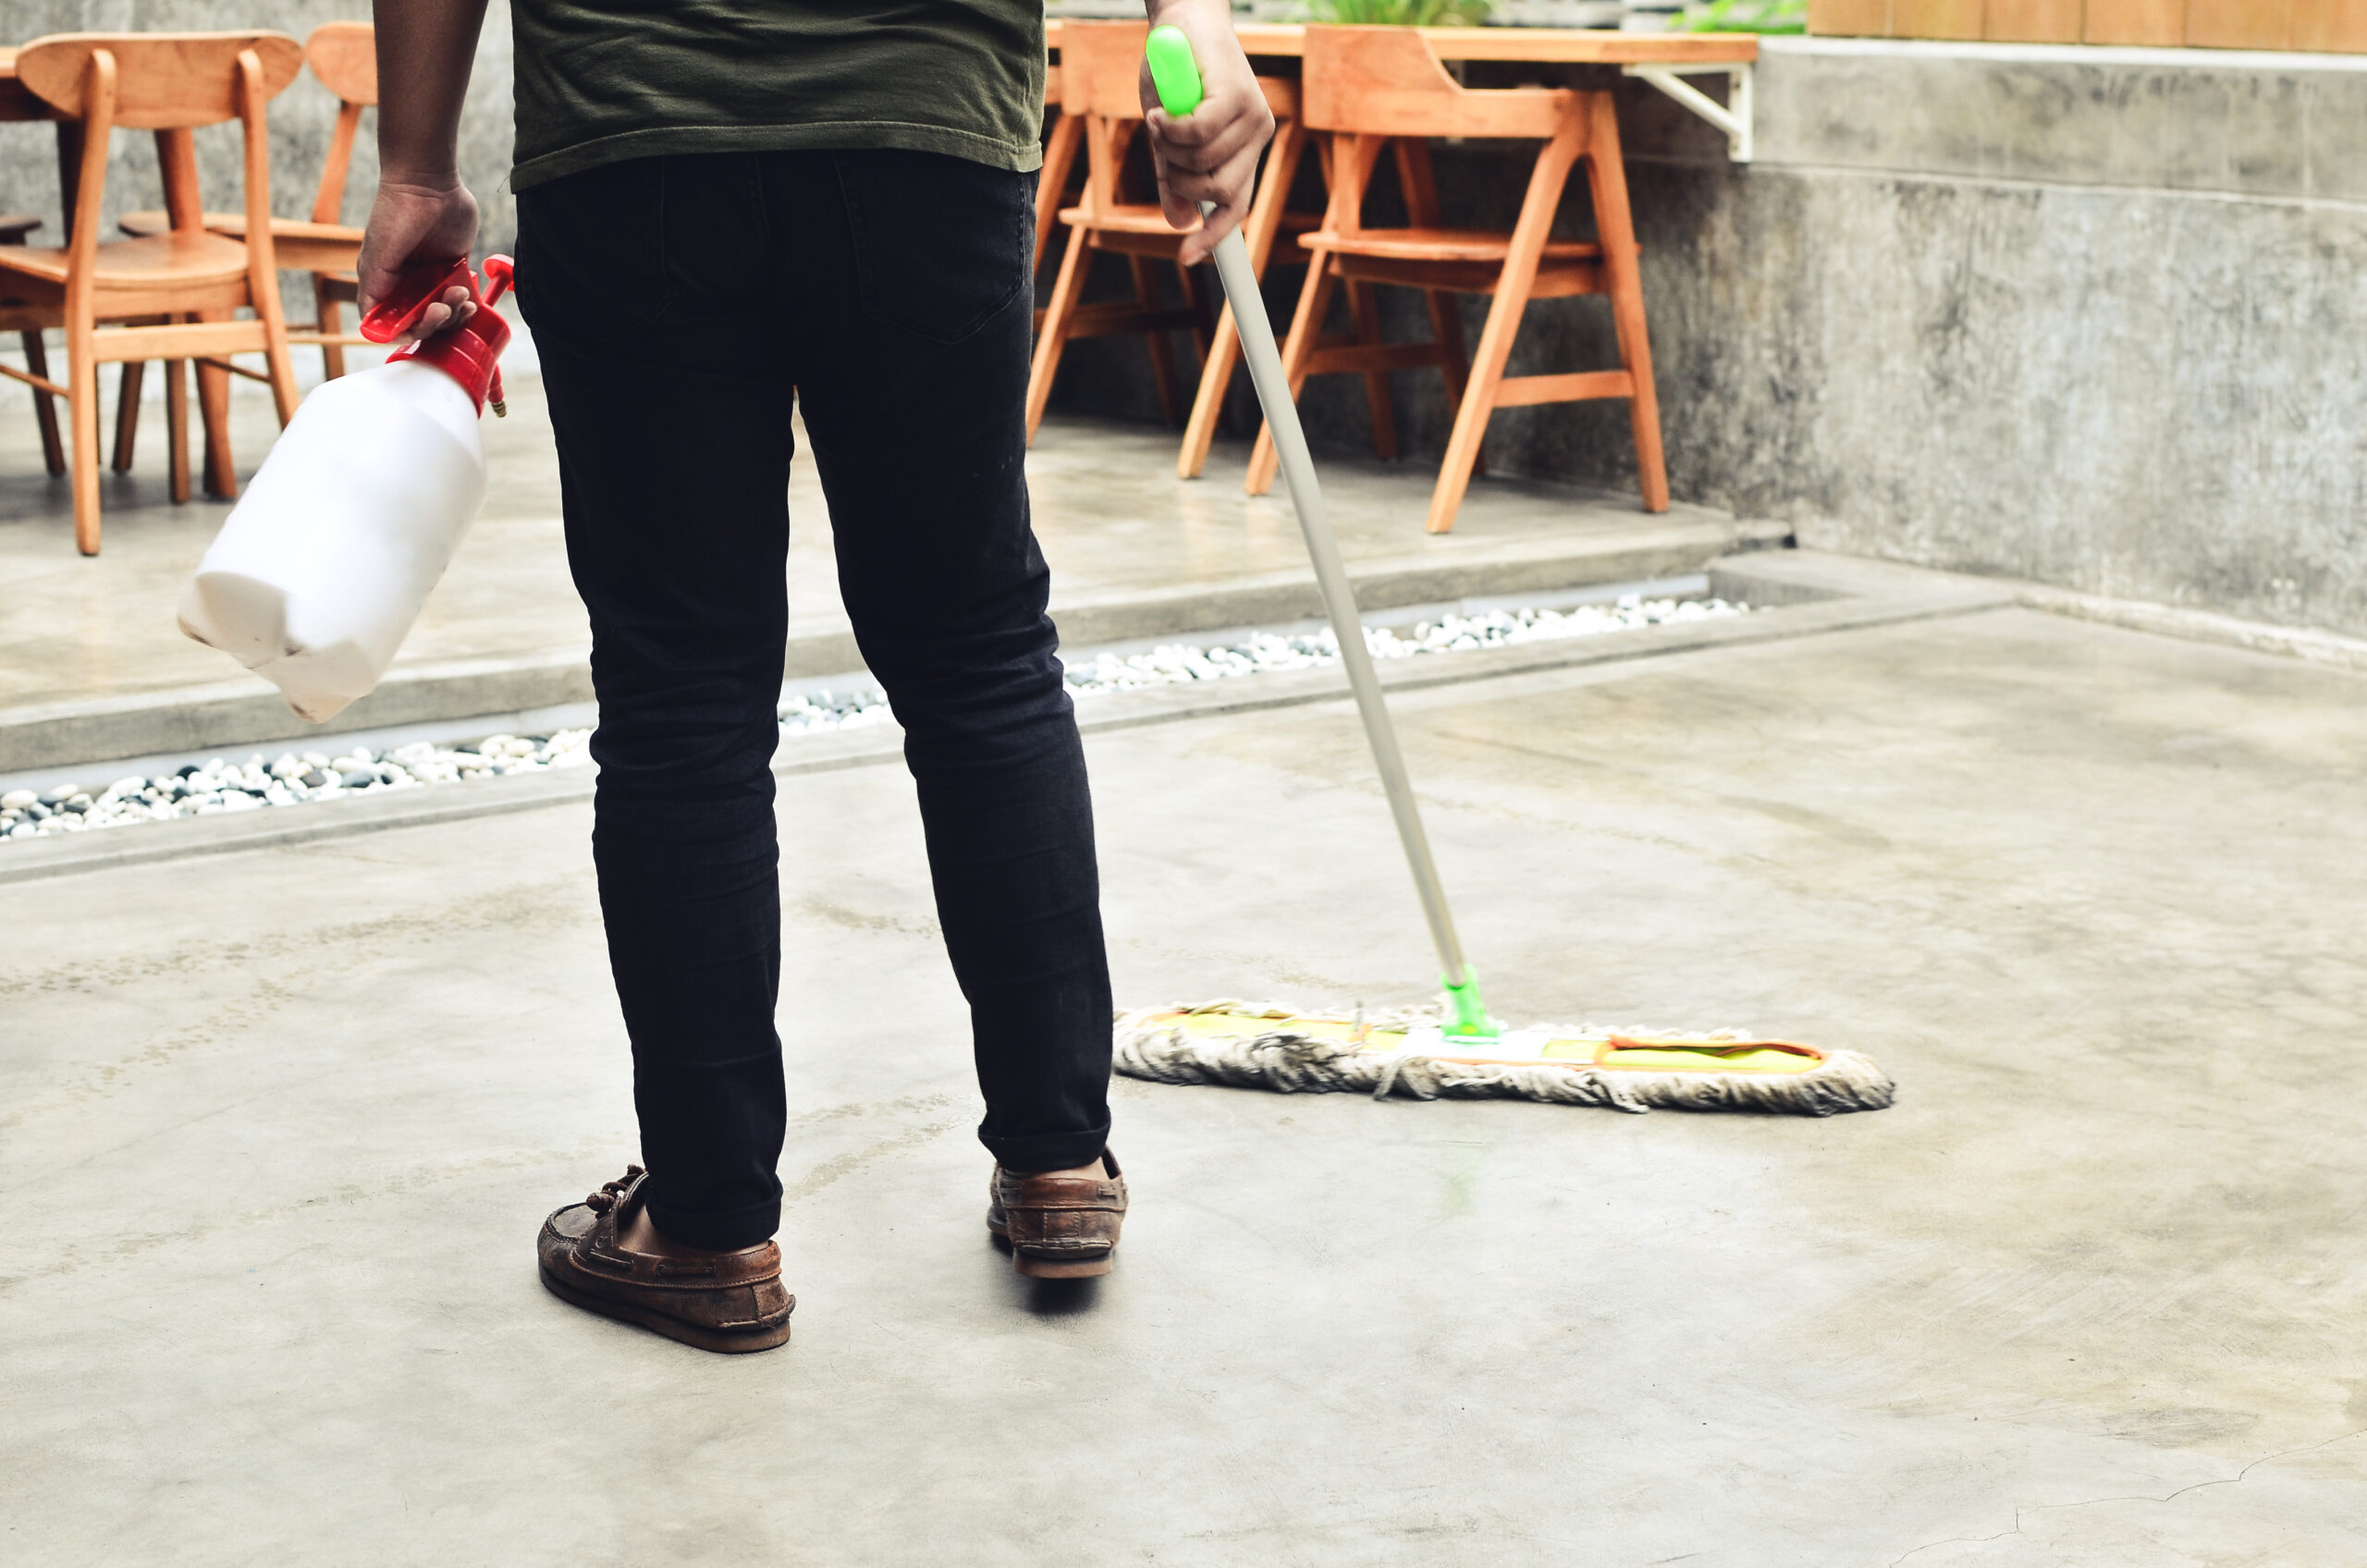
[{"x": 603, "y": 80}]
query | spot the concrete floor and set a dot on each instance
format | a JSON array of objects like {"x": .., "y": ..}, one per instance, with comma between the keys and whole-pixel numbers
[
  {"x": 278, "y": 1128},
  {"x": 1109, "y": 508}
]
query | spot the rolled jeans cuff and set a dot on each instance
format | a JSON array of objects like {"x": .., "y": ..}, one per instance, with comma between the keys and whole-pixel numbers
[
  {"x": 716, "y": 1230},
  {"x": 1046, "y": 1151}
]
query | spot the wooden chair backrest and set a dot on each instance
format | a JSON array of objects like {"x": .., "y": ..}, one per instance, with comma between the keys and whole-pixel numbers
[
  {"x": 1100, "y": 68},
  {"x": 163, "y": 81},
  {"x": 172, "y": 83},
  {"x": 344, "y": 55},
  {"x": 1385, "y": 81}
]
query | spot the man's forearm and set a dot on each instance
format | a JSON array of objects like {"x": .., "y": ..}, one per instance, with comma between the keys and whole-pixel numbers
[{"x": 425, "y": 49}]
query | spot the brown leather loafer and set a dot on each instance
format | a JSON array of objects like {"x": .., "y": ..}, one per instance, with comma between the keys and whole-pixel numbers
[
  {"x": 730, "y": 1302},
  {"x": 1059, "y": 1226}
]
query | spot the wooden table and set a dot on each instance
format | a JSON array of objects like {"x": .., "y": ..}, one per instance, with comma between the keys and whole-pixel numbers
[
  {"x": 1539, "y": 45},
  {"x": 1662, "y": 59}
]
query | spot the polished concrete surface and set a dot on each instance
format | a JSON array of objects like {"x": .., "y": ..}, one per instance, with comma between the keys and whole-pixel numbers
[
  {"x": 1109, "y": 508},
  {"x": 276, "y": 1131}
]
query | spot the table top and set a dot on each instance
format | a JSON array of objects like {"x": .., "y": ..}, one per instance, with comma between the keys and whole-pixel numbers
[
  {"x": 16, "y": 101},
  {"x": 1537, "y": 45}
]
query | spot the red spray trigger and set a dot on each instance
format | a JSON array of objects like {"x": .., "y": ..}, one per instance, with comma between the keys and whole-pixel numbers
[
  {"x": 420, "y": 288},
  {"x": 469, "y": 352}
]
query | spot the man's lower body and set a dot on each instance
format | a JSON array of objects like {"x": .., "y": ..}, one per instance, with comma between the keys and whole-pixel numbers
[{"x": 682, "y": 307}]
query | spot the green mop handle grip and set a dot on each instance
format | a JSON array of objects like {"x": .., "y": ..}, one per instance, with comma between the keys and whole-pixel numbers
[
  {"x": 1173, "y": 71},
  {"x": 1175, "y": 75}
]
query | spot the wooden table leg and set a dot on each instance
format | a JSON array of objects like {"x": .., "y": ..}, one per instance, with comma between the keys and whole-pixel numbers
[
  {"x": 69, "y": 179},
  {"x": 127, "y": 414},
  {"x": 213, "y": 410},
  {"x": 52, "y": 447},
  {"x": 69, "y": 171},
  {"x": 176, "y": 425}
]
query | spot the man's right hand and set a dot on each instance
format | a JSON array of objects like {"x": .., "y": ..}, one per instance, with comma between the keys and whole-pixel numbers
[
  {"x": 1211, "y": 154},
  {"x": 413, "y": 221}
]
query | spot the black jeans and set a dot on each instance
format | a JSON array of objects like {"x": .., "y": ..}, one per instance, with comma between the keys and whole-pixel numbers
[{"x": 680, "y": 305}]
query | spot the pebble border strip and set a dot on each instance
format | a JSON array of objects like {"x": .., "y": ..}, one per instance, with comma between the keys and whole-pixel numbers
[{"x": 293, "y": 779}]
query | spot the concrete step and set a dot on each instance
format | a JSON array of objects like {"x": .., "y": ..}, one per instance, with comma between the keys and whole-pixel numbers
[
  {"x": 1837, "y": 609},
  {"x": 246, "y": 713}
]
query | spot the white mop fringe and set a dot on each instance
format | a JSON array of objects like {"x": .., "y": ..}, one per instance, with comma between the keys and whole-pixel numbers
[{"x": 1290, "y": 1063}]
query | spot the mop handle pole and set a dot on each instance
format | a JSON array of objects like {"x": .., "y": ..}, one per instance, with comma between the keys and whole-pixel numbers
[{"x": 1331, "y": 576}]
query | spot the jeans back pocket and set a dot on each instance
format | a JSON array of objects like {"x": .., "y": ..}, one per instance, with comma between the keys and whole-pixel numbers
[{"x": 942, "y": 244}]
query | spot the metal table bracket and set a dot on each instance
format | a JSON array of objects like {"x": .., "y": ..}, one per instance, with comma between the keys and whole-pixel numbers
[{"x": 1733, "y": 117}]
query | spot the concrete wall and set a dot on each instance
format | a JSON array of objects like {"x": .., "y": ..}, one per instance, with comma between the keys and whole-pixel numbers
[
  {"x": 300, "y": 118},
  {"x": 2087, "y": 315}
]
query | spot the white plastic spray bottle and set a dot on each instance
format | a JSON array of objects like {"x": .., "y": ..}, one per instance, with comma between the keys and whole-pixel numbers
[{"x": 329, "y": 558}]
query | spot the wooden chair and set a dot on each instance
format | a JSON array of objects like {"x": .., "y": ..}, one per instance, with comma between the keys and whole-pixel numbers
[
  {"x": 1373, "y": 87},
  {"x": 159, "y": 297},
  {"x": 1270, "y": 225},
  {"x": 1059, "y": 159},
  {"x": 1100, "y": 63},
  {"x": 26, "y": 322},
  {"x": 343, "y": 58},
  {"x": 1099, "y": 66}
]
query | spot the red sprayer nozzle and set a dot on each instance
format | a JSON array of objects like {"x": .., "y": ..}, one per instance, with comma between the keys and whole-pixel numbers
[{"x": 468, "y": 353}]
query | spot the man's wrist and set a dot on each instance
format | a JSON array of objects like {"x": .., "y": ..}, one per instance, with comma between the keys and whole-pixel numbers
[{"x": 430, "y": 182}]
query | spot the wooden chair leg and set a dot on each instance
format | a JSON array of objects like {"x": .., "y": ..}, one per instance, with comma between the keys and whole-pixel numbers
[
  {"x": 126, "y": 413},
  {"x": 1162, "y": 352},
  {"x": 1363, "y": 307},
  {"x": 1054, "y": 335},
  {"x": 328, "y": 318},
  {"x": 277, "y": 363},
  {"x": 1479, "y": 400},
  {"x": 177, "y": 426},
  {"x": 1519, "y": 274},
  {"x": 1208, "y": 404},
  {"x": 1197, "y": 299},
  {"x": 1446, "y": 329},
  {"x": 52, "y": 445},
  {"x": 1225, "y": 343},
  {"x": 82, "y": 416},
  {"x": 214, "y": 409},
  {"x": 1306, "y": 324},
  {"x": 1607, "y": 182},
  {"x": 1059, "y": 157}
]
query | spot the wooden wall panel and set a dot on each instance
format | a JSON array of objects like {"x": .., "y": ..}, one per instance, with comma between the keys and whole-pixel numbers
[
  {"x": 2331, "y": 26},
  {"x": 2136, "y": 21},
  {"x": 2034, "y": 21},
  {"x": 2239, "y": 24},
  {"x": 1850, "y": 19},
  {"x": 2339, "y": 26},
  {"x": 1936, "y": 19}
]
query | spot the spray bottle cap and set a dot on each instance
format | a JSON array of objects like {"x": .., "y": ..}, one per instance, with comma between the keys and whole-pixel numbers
[{"x": 468, "y": 353}]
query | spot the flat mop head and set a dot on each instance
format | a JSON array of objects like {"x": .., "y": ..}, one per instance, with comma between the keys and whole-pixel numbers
[{"x": 1252, "y": 1046}]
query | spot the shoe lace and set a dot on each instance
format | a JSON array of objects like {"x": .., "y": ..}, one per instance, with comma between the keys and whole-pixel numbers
[{"x": 605, "y": 1198}]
